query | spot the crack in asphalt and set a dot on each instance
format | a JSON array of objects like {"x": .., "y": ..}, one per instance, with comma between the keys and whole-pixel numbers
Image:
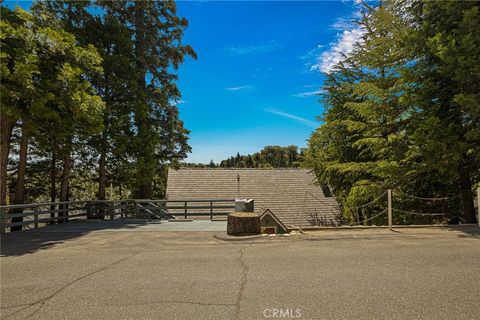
[
  {"x": 175, "y": 301},
  {"x": 40, "y": 306},
  {"x": 243, "y": 282},
  {"x": 42, "y": 301}
]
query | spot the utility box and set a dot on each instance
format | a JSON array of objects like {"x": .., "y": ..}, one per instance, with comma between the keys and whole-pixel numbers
[{"x": 244, "y": 205}]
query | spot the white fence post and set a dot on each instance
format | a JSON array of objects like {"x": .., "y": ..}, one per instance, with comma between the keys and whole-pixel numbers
[{"x": 389, "y": 194}]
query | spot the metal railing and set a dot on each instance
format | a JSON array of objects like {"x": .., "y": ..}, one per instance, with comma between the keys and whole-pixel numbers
[
  {"x": 36, "y": 215},
  {"x": 185, "y": 208}
]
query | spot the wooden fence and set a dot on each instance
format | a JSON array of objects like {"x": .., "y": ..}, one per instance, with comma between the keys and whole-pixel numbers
[{"x": 35, "y": 215}]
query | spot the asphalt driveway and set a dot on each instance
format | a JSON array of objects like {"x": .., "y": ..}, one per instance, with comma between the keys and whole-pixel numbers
[{"x": 137, "y": 273}]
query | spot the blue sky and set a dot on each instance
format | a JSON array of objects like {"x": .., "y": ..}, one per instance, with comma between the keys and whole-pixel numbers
[
  {"x": 258, "y": 70},
  {"x": 256, "y": 75}
]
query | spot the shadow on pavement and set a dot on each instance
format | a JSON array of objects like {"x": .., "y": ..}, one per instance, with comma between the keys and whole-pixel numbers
[
  {"x": 467, "y": 230},
  {"x": 30, "y": 241}
]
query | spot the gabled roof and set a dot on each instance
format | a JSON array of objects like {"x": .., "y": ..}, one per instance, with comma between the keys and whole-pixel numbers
[
  {"x": 280, "y": 190},
  {"x": 268, "y": 212}
]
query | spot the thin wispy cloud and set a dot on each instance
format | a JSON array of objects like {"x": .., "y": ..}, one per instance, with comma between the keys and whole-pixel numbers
[
  {"x": 252, "y": 49},
  {"x": 312, "y": 52},
  {"x": 343, "y": 23},
  {"x": 292, "y": 117},
  {"x": 338, "y": 51},
  {"x": 238, "y": 88},
  {"x": 308, "y": 94},
  {"x": 349, "y": 34},
  {"x": 310, "y": 57}
]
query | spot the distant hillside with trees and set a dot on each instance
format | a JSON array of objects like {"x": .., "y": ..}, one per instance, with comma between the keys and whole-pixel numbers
[{"x": 268, "y": 157}]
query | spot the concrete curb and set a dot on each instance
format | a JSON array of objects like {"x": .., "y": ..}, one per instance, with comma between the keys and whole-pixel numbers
[
  {"x": 420, "y": 226},
  {"x": 308, "y": 237},
  {"x": 266, "y": 237},
  {"x": 329, "y": 237},
  {"x": 226, "y": 237}
]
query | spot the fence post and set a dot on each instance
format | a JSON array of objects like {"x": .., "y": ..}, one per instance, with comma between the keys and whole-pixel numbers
[
  {"x": 60, "y": 213},
  {"x": 66, "y": 213},
  {"x": 185, "y": 209},
  {"x": 303, "y": 212},
  {"x": 35, "y": 217},
  {"x": 211, "y": 210},
  {"x": 3, "y": 212},
  {"x": 389, "y": 195},
  {"x": 52, "y": 214},
  {"x": 112, "y": 210},
  {"x": 478, "y": 206}
]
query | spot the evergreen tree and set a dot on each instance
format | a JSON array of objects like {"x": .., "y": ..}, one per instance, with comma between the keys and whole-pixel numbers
[
  {"x": 158, "y": 49},
  {"x": 446, "y": 46},
  {"x": 270, "y": 156},
  {"x": 54, "y": 87},
  {"x": 394, "y": 105}
]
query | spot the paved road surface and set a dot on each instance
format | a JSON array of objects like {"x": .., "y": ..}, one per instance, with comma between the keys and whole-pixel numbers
[{"x": 137, "y": 273}]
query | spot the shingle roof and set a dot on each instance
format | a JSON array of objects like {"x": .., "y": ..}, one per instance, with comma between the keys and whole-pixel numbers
[{"x": 280, "y": 190}]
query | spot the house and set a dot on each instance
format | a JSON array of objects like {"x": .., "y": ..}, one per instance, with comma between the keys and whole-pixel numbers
[{"x": 280, "y": 190}]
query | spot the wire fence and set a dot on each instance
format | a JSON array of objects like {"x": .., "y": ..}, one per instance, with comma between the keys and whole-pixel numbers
[{"x": 390, "y": 207}]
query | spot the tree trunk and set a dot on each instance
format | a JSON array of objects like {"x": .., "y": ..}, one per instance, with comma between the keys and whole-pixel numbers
[
  {"x": 102, "y": 170},
  {"x": 64, "y": 186},
  {"x": 65, "y": 177},
  {"x": 466, "y": 191},
  {"x": 6, "y": 127},
  {"x": 102, "y": 177},
  {"x": 22, "y": 168},
  {"x": 53, "y": 180},
  {"x": 145, "y": 152},
  {"x": 243, "y": 223},
  {"x": 20, "y": 183},
  {"x": 102, "y": 173},
  {"x": 145, "y": 190}
]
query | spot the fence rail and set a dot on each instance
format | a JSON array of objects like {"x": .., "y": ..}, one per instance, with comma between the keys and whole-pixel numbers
[
  {"x": 185, "y": 208},
  {"x": 36, "y": 215}
]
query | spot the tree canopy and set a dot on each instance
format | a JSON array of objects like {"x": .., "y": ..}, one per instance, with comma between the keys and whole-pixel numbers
[
  {"x": 89, "y": 99},
  {"x": 268, "y": 157},
  {"x": 401, "y": 110}
]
